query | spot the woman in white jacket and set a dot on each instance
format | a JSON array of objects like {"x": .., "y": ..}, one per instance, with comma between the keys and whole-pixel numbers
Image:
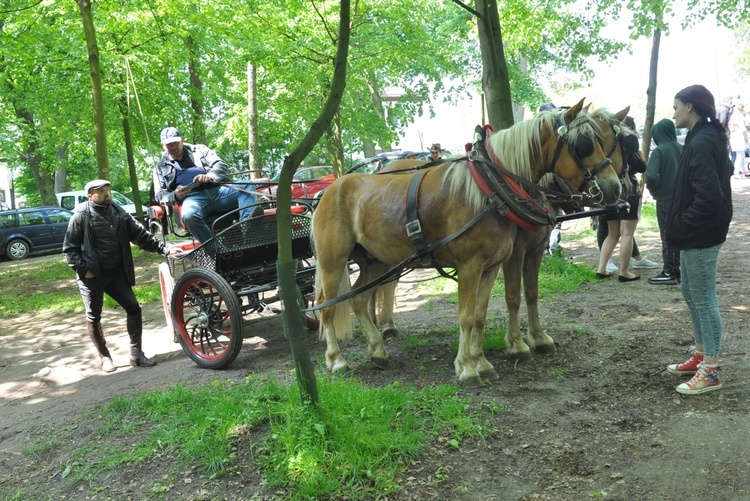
[{"x": 738, "y": 140}]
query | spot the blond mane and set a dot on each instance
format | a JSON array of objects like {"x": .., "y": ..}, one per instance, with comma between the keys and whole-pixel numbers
[
  {"x": 608, "y": 116},
  {"x": 517, "y": 148}
]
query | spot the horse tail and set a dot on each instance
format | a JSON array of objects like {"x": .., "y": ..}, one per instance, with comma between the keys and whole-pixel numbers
[{"x": 342, "y": 322}]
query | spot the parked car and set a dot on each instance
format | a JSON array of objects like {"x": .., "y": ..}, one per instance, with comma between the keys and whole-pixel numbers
[
  {"x": 371, "y": 165},
  {"x": 307, "y": 183},
  {"x": 23, "y": 231},
  {"x": 69, "y": 200}
]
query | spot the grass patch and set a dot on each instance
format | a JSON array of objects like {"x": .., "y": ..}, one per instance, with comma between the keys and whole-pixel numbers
[
  {"x": 50, "y": 286},
  {"x": 354, "y": 445},
  {"x": 647, "y": 221},
  {"x": 412, "y": 341},
  {"x": 557, "y": 274},
  {"x": 648, "y": 216},
  {"x": 493, "y": 338}
]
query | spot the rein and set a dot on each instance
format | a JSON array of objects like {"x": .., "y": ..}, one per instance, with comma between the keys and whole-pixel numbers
[
  {"x": 397, "y": 270},
  {"x": 503, "y": 192}
]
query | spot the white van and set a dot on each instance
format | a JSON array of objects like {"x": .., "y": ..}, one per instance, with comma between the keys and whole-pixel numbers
[{"x": 69, "y": 200}]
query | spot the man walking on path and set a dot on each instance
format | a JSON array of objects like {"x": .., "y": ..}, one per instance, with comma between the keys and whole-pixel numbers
[{"x": 97, "y": 247}]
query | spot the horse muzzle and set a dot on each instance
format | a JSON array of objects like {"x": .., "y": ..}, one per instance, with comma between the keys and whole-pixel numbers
[{"x": 603, "y": 186}]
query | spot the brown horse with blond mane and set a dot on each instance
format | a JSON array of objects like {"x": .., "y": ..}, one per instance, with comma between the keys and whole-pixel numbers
[
  {"x": 528, "y": 250},
  {"x": 363, "y": 218}
]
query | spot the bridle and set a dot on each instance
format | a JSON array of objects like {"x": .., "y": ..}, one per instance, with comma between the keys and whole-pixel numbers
[
  {"x": 628, "y": 144},
  {"x": 581, "y": 148}
]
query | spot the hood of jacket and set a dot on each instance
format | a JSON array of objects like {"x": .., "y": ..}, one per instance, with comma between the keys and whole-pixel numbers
[{"x": 663, "y": 131}]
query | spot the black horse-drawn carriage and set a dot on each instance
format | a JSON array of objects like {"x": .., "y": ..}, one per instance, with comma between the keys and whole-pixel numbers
[{"x": 209, "y": 288}]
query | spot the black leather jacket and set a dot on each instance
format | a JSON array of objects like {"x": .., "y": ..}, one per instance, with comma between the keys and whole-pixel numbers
[
  {"x": 89, "y": 244},
  {"x": 701, "y": 207}
]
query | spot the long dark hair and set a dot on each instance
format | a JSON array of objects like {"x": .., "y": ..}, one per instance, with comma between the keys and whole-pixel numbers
[{"x": 703, "y": 103}]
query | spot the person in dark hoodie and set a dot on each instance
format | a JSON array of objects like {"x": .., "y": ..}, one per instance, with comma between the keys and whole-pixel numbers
[
  {"x": 660, "y": 175},
  {"x": 697, "y": 227},
  {"x": 97, "y": 247}
]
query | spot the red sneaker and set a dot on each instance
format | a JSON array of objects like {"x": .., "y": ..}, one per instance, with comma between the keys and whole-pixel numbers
[
  {"x": 689, "y": 367},
  {"x": 704, "y": 380}
]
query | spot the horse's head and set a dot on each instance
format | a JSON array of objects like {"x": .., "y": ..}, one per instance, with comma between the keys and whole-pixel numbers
[
  {"x": 620, "y": 141},
  {"x": 574, "y": 150}
]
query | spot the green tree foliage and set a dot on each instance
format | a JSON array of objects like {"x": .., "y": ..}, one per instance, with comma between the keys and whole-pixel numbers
[{"x": 184, "y": 64}]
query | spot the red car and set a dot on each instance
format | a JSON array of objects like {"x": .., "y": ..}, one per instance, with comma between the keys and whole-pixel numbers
[{"x": 307, "y": 184}]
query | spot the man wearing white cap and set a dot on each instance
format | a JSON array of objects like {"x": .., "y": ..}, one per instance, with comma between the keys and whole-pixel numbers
[
  {"x": 97, "y": 247},
  {"x": 183, "y": 164}
]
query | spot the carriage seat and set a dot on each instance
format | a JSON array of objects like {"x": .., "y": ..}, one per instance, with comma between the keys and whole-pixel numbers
[{"x": 169, "y": 218}]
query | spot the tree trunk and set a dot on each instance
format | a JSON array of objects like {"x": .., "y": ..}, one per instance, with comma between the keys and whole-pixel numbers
[
  {"x": 291, "y": 314},
  {"x": 196, "y": 93},
  {"x": 102, "y": 160},
  {"x": 252, "y": 120},
  {"x": 61, "y": 170},
  {"x": 33, "y": 157},
  {"x": 368, "y": 145},
  {"x": 335, "y": 145},
  {"x": 495, "y": 77},
  {"x": 651, "y": 95}
]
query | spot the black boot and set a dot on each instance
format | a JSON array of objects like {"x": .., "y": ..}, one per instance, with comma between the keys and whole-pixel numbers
[
  {"x": 97, "y": 337},
  {"x": 135, "y": 331}
]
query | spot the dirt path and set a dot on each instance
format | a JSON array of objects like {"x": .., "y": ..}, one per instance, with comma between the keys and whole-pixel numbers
[{"x": 598, "y": 419}]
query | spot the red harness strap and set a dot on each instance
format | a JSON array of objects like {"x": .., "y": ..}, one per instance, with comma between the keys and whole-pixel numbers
[{"x": 487, "y": 191}]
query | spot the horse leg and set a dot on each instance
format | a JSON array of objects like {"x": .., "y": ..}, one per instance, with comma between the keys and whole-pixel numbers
[
  {"x": 335, "y": 321},
  {"x": 468, "y": 291},
  {"x": 387, "y": 299},
  {"x": 483, "y": 366},
  {"x": 538, "y": 339},
  {"x": 372, "y": 306},
  {"x": 515, "y": 346},
  {"x": 333, "y": 244},
  {"x": 383, "y": 299},
  {"x": 375, "y": 346}
]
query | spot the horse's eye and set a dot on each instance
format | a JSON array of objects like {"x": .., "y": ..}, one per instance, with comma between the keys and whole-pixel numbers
[
  {"x": 584, "y": 146},
  {"x": 630, "y": 144}
]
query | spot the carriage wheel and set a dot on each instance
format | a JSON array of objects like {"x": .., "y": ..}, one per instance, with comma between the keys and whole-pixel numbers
[
  {"x": 208, "y": 318},
  {"x": 167, "y": 286}
]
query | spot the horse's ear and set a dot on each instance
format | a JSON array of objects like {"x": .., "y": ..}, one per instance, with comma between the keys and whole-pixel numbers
[
  {"x": 574, "y": 111},
  {"x": 620, "y": 115}
]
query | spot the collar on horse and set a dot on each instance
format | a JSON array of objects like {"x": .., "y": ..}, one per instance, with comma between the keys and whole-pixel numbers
[{"x": 505, "y": 189}]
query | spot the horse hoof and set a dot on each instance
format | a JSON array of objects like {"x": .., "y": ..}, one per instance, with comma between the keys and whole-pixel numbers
[
  {"x": 489, "y": 374},
  {"x": 380, "y": 363},
  {"x": 522, "y": 356},
  {"x": 471, "y": 382},
  {"x": 339, "y": 368},
  {"x": 389, "y": 333},
  {"x": 546, "y": 349}
]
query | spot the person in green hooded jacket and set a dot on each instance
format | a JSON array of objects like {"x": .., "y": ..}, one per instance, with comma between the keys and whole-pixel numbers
[{"x": 660, "y": 175}]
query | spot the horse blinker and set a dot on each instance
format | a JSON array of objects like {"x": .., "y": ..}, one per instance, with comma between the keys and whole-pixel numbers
[
  {"x": 584, "y": 146},
  {"x": 630, "y": 144}
]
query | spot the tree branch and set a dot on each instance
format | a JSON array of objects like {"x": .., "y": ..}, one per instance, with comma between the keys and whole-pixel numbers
[{"x": 466, "y": 7}]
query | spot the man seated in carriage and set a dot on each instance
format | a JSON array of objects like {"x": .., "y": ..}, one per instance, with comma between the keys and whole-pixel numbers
[{"x": 185, "y": 175}]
